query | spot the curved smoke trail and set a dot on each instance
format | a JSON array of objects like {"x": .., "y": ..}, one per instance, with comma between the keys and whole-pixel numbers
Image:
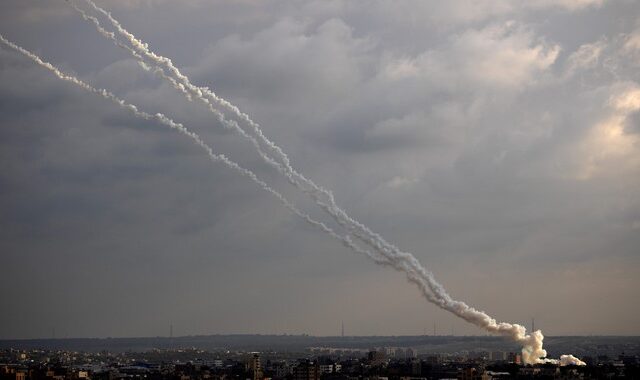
[
  {"x": 402, "y": 261},
  {"x": 217, "y": 158}
]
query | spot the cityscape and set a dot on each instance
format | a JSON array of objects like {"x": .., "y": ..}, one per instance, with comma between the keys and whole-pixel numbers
[
  {"x": 319, "y": 189},
  {"x": 605, "y": 358}
]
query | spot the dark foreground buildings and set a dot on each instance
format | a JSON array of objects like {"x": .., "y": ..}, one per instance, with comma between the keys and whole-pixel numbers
[{"x": 380, "y": 364}]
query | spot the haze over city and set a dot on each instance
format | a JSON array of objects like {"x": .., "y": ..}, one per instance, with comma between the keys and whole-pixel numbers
[{"x": 498, "y": 143}]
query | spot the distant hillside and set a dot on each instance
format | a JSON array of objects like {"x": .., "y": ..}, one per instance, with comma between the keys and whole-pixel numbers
[{"x": 601, "y": 345}]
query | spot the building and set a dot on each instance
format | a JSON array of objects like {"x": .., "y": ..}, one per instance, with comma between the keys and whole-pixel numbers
[
  {"x": 278, "y": 369},
  {"x": 306, "y": 370},
  {"x": 472, "y": 374},
  {"x": 326, "y": 368},
  {"x": 377, "y": 358},
  {"x": 254, "y": 367},
  {"x": 514, "y": 357}
]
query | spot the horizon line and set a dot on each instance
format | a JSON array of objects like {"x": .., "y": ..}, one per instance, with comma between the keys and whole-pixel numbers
[{"x": 303, "y": 335}]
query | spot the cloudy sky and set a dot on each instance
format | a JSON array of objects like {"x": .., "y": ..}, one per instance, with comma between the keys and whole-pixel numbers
[{"x": 497, "y": 141}]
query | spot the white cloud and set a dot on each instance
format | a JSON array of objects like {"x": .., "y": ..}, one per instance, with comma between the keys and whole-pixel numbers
[
  {"x": 586, "y": 57},
  {"x": 608, "y": 150},
  {"x": 503, "y": 56},
  {"x": 571, "y": 5}
]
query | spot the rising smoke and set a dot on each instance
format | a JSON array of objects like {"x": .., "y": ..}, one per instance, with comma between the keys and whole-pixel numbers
[{"x": 385, "y": 253}]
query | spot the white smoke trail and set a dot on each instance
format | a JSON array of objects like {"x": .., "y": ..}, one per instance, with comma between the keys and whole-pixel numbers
[
  {"x": 416, "y": 273},
  {"x": 183, "y": 84},
  {"x": 161, "y": 118},
  {"x": 186, "y": 90}
]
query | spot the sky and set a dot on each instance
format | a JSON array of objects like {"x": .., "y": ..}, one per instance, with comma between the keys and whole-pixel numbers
[{"x": 497, "y": 141}]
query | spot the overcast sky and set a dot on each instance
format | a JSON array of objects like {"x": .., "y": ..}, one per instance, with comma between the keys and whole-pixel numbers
[{"x": 497, "y": 141}]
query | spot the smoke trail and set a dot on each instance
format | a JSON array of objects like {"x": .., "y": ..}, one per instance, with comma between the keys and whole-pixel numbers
[
  {"x": 416, "y": 273},
  {"x": 161, "y": 118},
  {"x": 183, "y": 84},
  {"x": 186, "y": 90}
]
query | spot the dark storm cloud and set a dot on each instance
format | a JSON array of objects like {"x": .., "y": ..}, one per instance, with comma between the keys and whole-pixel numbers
[{"x": 498, "y": 142}]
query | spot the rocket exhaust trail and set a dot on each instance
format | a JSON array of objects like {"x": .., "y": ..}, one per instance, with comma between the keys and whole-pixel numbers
[
  {"x": 183, "y": 84},
  {"x": 203, "y": 94},
  {"x": 187, "y": 91},
  {"x": 216, "y": 158},
  {"x": 402, "y": 261}
]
